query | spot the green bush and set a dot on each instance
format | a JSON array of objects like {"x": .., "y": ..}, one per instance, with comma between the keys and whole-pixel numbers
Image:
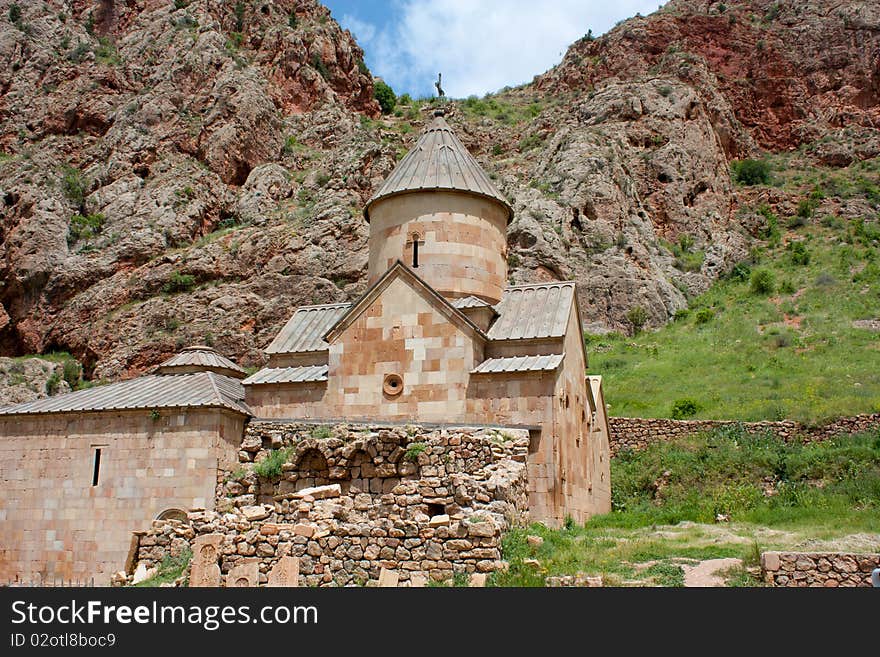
[
  {"x": 270, "y": 467},
  {"x": 762, "y": 281},
  {"x": 52, "y": 383},
  {"x": 413, "y": 451},
  {"x": 85, "y": 226},
  {"x": 798, "y": 253},
  {"x": 74, "y": 184},
  {"x": 704, "y": 315},
  {"x": 72, "y": 373},
  {"x": 319, "y": 65},
  {"x": 684, "y": 408},
  {"x": 740, "y": 272},
  {"x": 321, "y": 432},
  {"x": 751, "y": 172},
  {"x": 637, "y": 316},
  {"x": 179, "y": 283},
  {"x": 385, "y": 95},
  {"x": 14, "y": 13}
]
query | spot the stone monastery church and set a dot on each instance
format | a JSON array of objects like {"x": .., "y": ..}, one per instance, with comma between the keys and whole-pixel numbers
[{"x": 439, "y": 339}]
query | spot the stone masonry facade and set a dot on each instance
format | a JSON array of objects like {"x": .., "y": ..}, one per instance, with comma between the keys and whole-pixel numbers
[
  {"x": 829, "y": 569},
  {"x": 638, "y": 433},
  {"x": 352, "y": 500}
]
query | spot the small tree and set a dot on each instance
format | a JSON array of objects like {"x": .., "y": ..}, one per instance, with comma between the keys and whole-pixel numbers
[
  {"x": 763, "y": 281},
  {"x": 637, "y": 316},
  {"x": 751, "y": 172},
  {"x": 385, "y": 95},
  {"x": 684, "y": 408}
]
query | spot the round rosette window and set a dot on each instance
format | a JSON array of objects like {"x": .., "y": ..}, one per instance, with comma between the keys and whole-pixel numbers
[{"x": 392, "y": 385}]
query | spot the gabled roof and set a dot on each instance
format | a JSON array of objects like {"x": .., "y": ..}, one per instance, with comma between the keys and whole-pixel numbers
[
  {"x": 548, "y": 363},
  {"x": 400, "y": 270},
  {"x": 203, "y": 359},
  {"x": 440, "y": 162},
  {"x": 304, "y": 331},
  {"x": 197, "y": 389},
  {"x": 533, "y": 311},
  {"x": 304, "y": 374}
]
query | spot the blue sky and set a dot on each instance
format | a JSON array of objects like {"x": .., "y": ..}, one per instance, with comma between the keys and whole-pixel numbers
[{"x": 480, "y": 46}]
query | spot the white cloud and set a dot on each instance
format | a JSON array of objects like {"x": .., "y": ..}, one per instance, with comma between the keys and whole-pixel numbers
[{"x": 481, "y": 46}]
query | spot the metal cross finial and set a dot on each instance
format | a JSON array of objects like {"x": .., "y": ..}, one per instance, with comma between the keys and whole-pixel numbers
[{"x": 437, "y": 84}]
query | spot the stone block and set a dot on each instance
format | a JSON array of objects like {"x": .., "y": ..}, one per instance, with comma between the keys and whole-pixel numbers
[
  {"x": 388, "y": 578},
  {"x": 439, "y": 521},
  {"x": 319, "y": 492},
  {"x": 285, "y": 573},
  {"x": 256, "y": 512},
  {"x": 770, "y": 561}
]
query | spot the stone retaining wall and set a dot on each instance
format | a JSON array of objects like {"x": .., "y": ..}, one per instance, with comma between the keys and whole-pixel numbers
[
  {"x": 424, "y": 503},
  {"x": 818, "y": 568},
  {"x": 637, "y": 433}
]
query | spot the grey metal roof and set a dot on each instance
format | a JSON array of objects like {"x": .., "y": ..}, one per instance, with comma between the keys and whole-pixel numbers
[
  {"x": 303, "y": 374},
  {"x": 546, "y": 363},
  {"x": 469, "y": 302},
  {"x": 305, "y": 330},
  {"x": 202, "y": 358},
  {"x": 533, "y": 311},
  {"x": 438, "y": 161},
  {"x": 197, "y": 389}
]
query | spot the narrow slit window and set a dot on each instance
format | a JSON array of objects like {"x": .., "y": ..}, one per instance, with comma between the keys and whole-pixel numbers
[
  {"x": 416, "y": 242},
  {"x": 97, "y": 470}
]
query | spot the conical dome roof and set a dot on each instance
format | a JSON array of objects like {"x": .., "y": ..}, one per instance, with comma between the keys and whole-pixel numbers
[
  {"x": 438, "y": 161},
  {"x": 200, "y": 358}
]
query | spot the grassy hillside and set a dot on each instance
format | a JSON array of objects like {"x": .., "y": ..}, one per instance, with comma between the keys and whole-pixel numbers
[
  {"x": 779, "y": 338},
  {"x": 666, "y": 500}
]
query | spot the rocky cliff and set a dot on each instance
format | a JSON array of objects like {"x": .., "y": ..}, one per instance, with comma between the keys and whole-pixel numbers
[{"x": 175, "y": 172}]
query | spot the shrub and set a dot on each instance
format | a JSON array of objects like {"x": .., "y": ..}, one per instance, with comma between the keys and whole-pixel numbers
[
  {"x": 72, "y": 373},
  {"x": 751, "y": 172},
  {"x": 704, "y": 315},
  {"x": 14, "y": 13},
  {"x": 681, "y": 314},
  {"x": 319, "y": 65},
  {"x": 181, "y": 4},
  {"x": 637, "y": 316},
  {"x": 270, "y": 467},
  {"x": 385, "y": 95},
  {"x": 179, "y": 283},
  {"x": 684, "y": 408},
  {"x": 85, "y": 226},
  {"x": 291, "y": 20},
  {"x": 413, "y": 451},
  {"x": 740, "y": 272},
  {"x": 798, "y": 253},
  {"x": 787, "y": 287},
  {"x": 762, "y": 281},
  {"x": 52, "y": 383},
  {"x": 74, "y": 184}
]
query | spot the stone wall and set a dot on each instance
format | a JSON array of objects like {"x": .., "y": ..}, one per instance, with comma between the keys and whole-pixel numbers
[
  {"x": 637, "y": 433},
  {"x": 353, "y": 499},
  {"x": 59, "y": 521},
  {"x": 828, "y": 569}
]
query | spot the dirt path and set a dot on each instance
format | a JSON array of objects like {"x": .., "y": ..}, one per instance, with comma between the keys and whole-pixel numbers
[{"x": 704, "y": 573}]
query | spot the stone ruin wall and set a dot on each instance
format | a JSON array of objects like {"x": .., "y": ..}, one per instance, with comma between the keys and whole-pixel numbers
[
  {"x": 829, "y": 569},
  {"x": 425, "y": 503},
  {"x": 638, "y": 433}
]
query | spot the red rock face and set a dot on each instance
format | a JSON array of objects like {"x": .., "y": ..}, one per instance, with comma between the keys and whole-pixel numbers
[{"x": 790, "y": 70}]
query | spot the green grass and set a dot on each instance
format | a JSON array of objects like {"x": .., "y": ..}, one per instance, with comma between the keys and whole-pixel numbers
[
  {"x": 665, "y": 500},
  {"x": 169, "y": 570},
  {"x": 745, "y": 354}
]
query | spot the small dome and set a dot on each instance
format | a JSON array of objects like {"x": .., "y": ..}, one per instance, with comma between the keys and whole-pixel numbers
[
  {"x": 438, "y": 162},
  {"x": 200, "y": 358}
]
